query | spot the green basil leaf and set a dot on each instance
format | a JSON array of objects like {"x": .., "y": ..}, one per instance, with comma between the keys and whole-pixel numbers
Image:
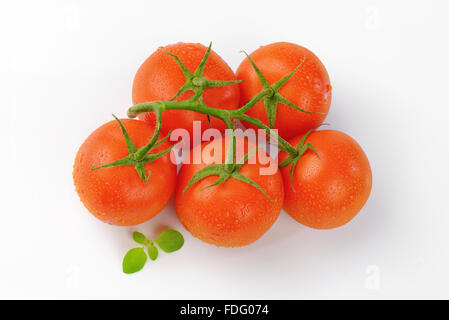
[
  {"x": 152, "y": 251},
  {"x": 139, "y": 238},
  {"x": 170, "y": 240},
  {"x": 134, "y": 260}
]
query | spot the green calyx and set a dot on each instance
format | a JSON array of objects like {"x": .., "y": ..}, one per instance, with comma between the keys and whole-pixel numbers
[
  {"x": 169, "y": 241},
  {"x": 196, "y": 81},
  {"x": 271, "y": 96},
  {"x": 230, "y": 169},
  {"x": 138, "y": 157},
  {"x": 301, "y": 150}
]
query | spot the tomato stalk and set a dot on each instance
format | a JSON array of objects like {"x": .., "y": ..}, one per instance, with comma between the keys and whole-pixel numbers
[{"x": 192, "y": 105}]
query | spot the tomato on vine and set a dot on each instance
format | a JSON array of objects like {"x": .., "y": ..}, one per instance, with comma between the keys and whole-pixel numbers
[
  {"x": 228, "y": 208},
  {"x": 328, "y": 182},
  {"x": 297, "y": 103},
  {"x": 123, "y": 174}
]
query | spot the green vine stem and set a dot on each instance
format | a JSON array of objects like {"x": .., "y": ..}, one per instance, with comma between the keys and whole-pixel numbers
[
  {"x": 225, "y": 115},
  {"x": 197, "y": 83}
]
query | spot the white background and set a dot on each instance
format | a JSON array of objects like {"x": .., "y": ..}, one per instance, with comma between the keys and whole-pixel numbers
[{"x": 67, "y": 65}]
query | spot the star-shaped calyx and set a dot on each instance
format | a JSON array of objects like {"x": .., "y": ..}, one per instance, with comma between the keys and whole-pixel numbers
[
  {"x": 138, "y": 157},
  {"x": 196, "y": 81},
  {"x": 271, "y": 95},
  {"x": 226, "y": 171}
]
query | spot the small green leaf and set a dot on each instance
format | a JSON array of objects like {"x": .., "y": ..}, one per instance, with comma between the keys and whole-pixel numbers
[
  {"x": 134, "y": 260},
  {"x": 139, "y": 238},
  {"x": 170, "y": 240},
  {"x": 152, "y": 251}
]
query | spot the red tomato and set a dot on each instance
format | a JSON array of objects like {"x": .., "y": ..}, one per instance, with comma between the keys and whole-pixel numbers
[
  {"x": 118, "y": 195},
  {"x": 233, "y": 213},
  {"x": 160, "y": 78},
  {"x": 331, "y": 189},
  {"x": 309, "y": 88}
]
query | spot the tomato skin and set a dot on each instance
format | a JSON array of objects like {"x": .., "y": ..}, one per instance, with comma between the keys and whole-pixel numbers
[
  {"x": 329, "y": 190},
  {"x": 117, "y": 195},
  {"x": 309, "y": 88},
  {"x": 160, "y": 78},
  {"x": 233, "y": 213}
]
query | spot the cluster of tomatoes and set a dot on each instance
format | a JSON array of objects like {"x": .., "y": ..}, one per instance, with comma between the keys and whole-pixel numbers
[{"x": 324, "y": 187}]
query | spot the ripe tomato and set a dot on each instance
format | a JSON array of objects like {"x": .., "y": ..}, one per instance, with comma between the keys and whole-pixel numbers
[
  {"x": 233, "y": 213},
  {"x": 160, "y": 78},
  {"x": 309, "y": 88},
  {"x": 331, "y": 189},
  {"x": 118, "y": 195}
]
